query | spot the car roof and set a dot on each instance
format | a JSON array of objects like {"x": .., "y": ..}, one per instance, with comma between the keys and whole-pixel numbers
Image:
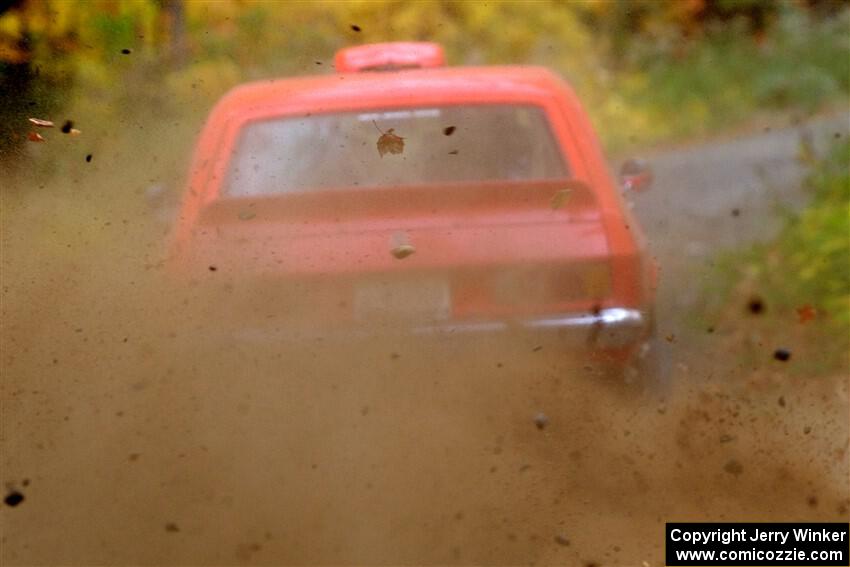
[{"x": 446, "y": 85}]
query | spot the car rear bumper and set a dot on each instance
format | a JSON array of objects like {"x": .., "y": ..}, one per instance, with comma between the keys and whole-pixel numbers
[{"x": 608, "y": 329}]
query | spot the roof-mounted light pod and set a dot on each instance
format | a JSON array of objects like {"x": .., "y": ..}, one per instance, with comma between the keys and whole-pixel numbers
[{"x": 389, "y": 57}]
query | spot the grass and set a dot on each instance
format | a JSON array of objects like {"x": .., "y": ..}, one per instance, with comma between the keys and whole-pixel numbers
[
  {"x": 678, "y": 92},
  {"x": 794, "y": 290}
]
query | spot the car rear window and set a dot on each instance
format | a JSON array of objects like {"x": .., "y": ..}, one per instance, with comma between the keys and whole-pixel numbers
[{"x": 440, "y": 145}]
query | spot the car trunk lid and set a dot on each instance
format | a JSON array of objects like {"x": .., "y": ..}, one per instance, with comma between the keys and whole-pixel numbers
[{"x": 400, "y": 229}]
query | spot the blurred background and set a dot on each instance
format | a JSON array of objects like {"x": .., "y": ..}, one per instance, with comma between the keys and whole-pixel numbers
[{"x": 648, "y": 71}]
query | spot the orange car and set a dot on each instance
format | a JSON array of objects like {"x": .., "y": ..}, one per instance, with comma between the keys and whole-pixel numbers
[{"x": 403, "y": 192}]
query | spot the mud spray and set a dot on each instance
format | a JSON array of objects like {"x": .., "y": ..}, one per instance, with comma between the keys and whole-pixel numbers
[{"x": 134, "y": 438}]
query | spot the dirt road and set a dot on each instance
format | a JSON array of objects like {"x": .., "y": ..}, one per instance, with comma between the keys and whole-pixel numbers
[{"x": 131, "y": 445}]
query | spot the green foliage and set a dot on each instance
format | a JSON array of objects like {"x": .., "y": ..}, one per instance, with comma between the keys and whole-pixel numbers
[
  {"x": 802, "y": 277},
  {"x": 816, "y": 245},
  {"x": 808, "y": 263},
  {"x": 647, "y": 71},
  {"x": 675, "y": 91}
]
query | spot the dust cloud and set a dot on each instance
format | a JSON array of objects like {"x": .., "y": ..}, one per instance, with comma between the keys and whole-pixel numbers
[{"x": 137, "y": 430}]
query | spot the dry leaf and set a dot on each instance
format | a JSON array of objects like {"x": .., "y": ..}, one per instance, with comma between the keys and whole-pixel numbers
[
  {"x": 560, "y": 198},
  {"x": 806, "y": 313},
  {"x": 41, "y": 123},
  {"x": 390, "y": 143},
  {"x": 35, "y": 137}
]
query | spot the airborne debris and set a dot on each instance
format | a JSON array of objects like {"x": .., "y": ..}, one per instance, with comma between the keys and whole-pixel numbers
[
  {"x": 782, "y": 354},
  {"x": 171, "y": 527},
  {"x": 41, "y": 123},
  {"x": 35, "y": 137},
  {"x": 561, "y": 539},
  {"x": 389, "y": 142},
  {"x": 541, "y": 420},
  {"x": 68, "y": 128},
  {"x": 247, "y": 215},
  {"x": 13, "y": 498},
  {"x": 449, "y": 130},
  {"x": 755, "y": 305},
  {"x": 402, "y": 251},
  {"x": 355, "y": 27},
  {"x": 400, "y": 246}
]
